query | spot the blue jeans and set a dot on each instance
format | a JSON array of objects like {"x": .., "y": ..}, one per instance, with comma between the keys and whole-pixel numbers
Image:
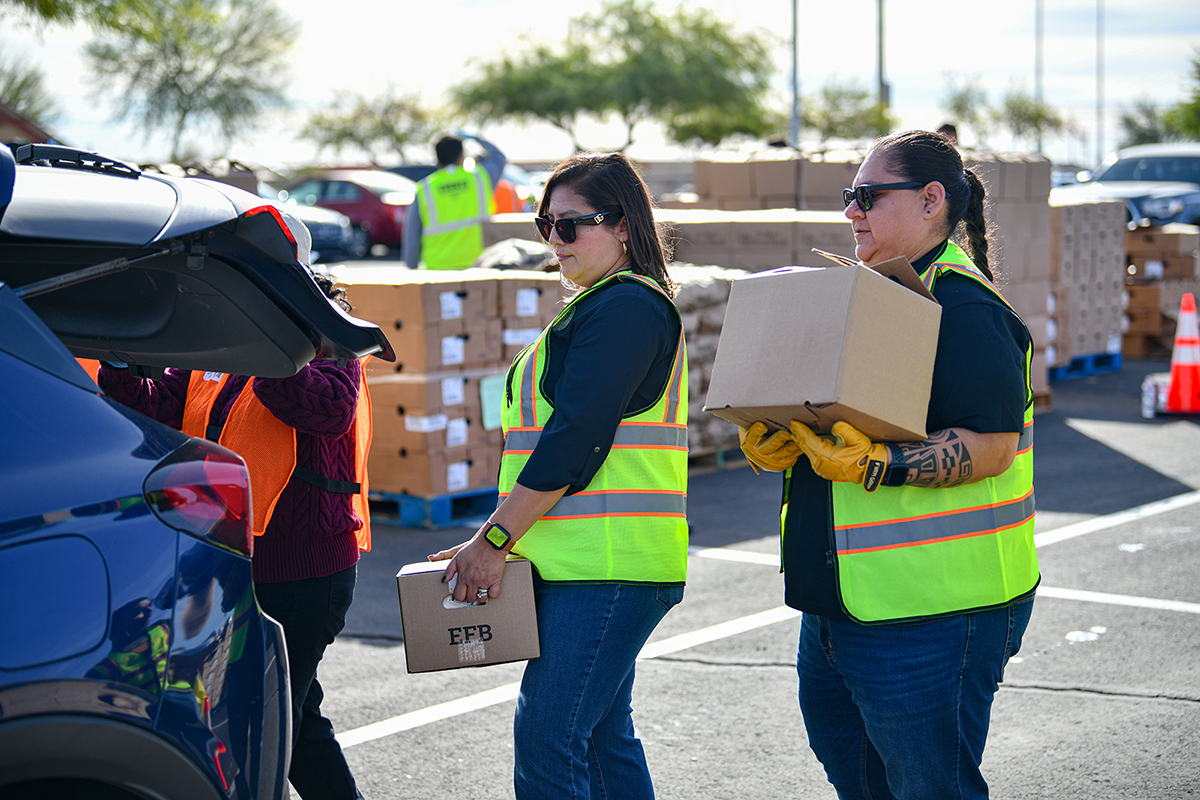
[
  {"x": 573, "y": 732},
  {"x": 902, "y": 711},
  {"x": 312, "y": 612}
]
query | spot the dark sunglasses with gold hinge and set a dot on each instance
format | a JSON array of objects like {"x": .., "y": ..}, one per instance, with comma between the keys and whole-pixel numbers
[{"x": 566, "y": 226}]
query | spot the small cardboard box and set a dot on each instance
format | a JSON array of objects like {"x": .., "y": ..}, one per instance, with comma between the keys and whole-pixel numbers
[
  {"x": 441, "y": 634},
  {"x": 826, "y": 344}
]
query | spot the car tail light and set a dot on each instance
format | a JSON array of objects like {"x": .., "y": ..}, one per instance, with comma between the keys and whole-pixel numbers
[{"x": 204, "y": 489}]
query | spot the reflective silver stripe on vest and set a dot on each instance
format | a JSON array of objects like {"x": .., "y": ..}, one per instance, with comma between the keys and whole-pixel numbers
[
  {"x": 1026, "y": 439},
  {"x": 676, "y": 378},
  {"x": 529, "y": 368},
  {"x": 631, "y": 435},
  {"x": 928, "y": 529},
  {"x": 430, "y": 206},
  {"x": 610, "y": 504}
]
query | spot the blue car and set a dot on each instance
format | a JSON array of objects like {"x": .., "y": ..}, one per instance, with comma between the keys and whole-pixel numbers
[
  {"x": 1159, "y": 184},
  {"x": 134, "y": 659}
]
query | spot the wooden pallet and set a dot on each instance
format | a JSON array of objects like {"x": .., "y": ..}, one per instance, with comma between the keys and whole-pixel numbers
[
  {"x": 1083, "y": 366},
  {"x": 441, "y": 511}
]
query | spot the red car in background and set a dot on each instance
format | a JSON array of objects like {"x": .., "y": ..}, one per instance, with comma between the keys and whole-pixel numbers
[{"x": 374, "y": 200}]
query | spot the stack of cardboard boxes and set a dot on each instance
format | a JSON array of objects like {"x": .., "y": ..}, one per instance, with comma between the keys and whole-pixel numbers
[
  {"x": 1087, "y": 300},
  {"x": 749, "y": 240},
  {"x": 702, "y": 299},
  {"x": 436, "y": 409},
  {"x": 1161, "y": 268}
]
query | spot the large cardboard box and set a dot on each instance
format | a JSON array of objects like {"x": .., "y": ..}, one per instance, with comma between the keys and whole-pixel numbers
[
  {"x": 826, "y": 344},
  {"x": 430, "y": 474},
  {"x": 441, "y": 634}
]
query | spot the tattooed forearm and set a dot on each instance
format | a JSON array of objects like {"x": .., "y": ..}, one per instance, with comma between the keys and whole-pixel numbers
[{"x": 941, "y": 460}]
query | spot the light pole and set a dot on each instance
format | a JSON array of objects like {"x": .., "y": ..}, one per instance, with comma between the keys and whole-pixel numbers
[
  {"x": 884, "y": 94},
  {"x": 1099, "y": 81},
  {"x": 795, "y": 76},
  {"x": 1038, "y": 36}
]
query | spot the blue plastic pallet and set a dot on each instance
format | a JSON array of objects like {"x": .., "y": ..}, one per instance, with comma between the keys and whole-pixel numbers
[
  {"x": 1082, "y": 366},
  {"x": 441, "y": 511}
]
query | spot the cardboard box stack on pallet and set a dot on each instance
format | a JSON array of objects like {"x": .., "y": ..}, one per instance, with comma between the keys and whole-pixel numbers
[
  {"x": 1161, "y": 268},
  {"x": 702, "y": 299},
  {"x": 436, "y": 409},
  {"x": 1021, "y": 246},
  {"x": 1088, "y": 292}
]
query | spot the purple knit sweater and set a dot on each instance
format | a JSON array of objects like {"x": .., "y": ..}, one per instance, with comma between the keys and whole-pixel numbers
[{"x": 311, "y": 532}]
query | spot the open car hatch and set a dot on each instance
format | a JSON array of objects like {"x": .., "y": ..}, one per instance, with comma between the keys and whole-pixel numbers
[{"x": 157, "y": 271}]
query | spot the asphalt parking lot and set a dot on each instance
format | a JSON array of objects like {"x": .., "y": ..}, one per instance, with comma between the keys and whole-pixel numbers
[{"x": 1103, "y": 701}]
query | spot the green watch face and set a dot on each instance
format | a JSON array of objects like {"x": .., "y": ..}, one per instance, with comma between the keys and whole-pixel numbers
[{"x": 497, "y": 536}]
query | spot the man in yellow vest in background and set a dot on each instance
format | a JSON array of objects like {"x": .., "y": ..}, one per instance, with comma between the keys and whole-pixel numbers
[{"x": 443, "y": 228}]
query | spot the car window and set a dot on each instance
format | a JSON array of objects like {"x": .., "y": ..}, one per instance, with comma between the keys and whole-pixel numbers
[
  {"x": 1154, "y": 169},
  {"x": 342, "y": 192},
  {"x": 307, "y": 193}
]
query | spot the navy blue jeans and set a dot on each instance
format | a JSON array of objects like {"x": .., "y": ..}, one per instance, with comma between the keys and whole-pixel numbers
[
  {"x": 312, "y": 612},
  {"x": 902, "y": 711},
  {"x": 573, "y": 732}
]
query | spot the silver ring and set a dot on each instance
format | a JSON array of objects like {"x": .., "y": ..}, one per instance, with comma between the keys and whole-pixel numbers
[{"x": 481, "y": 592}]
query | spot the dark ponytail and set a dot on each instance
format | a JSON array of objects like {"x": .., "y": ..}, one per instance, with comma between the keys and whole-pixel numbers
[
  {"x": 928, "y": 156},
  {"x": 974, "y": 225}
]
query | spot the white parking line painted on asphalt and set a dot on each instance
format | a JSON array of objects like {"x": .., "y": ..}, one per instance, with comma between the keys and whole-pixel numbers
[
  {"x": 1113, "y": 520},
  {"x": 424, "y": 716},
  {"x": 502, "y": 694},
  {"x": 742, "y": 556},
  {"x": 1118, "y": 599}
]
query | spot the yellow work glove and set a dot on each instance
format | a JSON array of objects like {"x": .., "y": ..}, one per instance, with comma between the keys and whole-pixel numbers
[
  {"x": 850, "y": 457},
  {"x": 774, "y": 451}
]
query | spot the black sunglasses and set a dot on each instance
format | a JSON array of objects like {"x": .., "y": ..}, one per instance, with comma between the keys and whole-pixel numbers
[
  {"x": 566, "y": 226},
  {"x": 865, "y": 194}
]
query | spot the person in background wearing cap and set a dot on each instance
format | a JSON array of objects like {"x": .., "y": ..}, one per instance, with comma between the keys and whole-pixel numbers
[
  {"x": 443, "y": 228},
  {"x": 913, "y": 562},
  {"x": 304, "y": 439}
]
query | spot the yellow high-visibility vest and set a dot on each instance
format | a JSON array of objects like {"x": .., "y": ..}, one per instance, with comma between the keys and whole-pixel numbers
[
  {"x": 454, "y": 203},
  {"x": 907, "y": 552},
  {"x": 629, "y": 525}
]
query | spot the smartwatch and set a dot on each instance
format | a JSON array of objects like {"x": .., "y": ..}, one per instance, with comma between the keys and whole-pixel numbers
[
  {"x": 497, "y": 537},
  {"x": 897, "y": 472}
]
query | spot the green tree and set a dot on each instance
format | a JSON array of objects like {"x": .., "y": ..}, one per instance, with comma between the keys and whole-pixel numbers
[
  {"x": 846, "y": 111},
  {"x": 387, "y": 124},
  {"x": 1145, "y": 123},
  {"x": 113, "y": 15},
  {"x": 1184, "y": 117},
  {"x": 205, "y": 62},
  {"x": 687, "y": 70},
  {"x": 967, "y": 104},
  {"x": 542, "y": 86},
  {"x": 1027, "y": 118},
  {"x": 22, "y": 88}
]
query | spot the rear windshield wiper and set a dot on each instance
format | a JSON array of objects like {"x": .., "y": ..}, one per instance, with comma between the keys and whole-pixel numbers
[{"x": 52, "y": 155}]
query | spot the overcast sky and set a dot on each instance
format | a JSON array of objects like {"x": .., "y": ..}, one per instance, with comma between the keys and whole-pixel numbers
[{"x": 364, "y": 47}]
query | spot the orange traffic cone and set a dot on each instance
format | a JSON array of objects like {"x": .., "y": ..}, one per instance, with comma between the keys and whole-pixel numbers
[{"x": 1184, "y": 395}]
